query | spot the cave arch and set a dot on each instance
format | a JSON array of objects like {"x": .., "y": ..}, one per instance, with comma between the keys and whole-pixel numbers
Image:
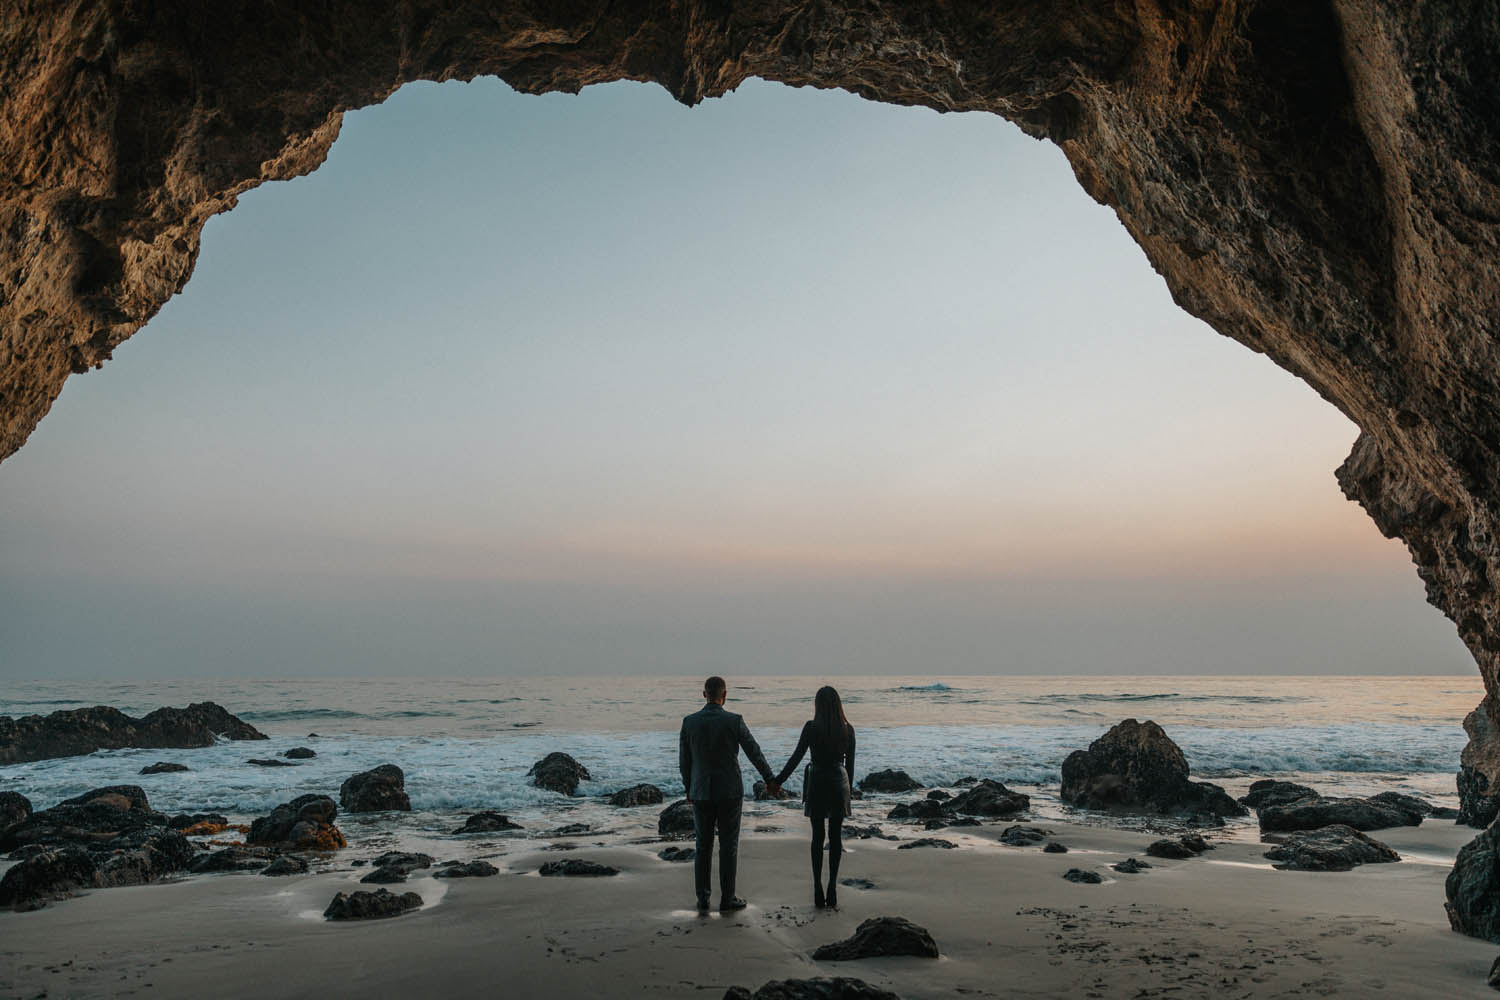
[{"x": 1315, "y": 180}]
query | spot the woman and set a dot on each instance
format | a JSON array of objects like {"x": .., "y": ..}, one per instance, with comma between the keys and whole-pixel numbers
[{"x": 825, "y": 785}]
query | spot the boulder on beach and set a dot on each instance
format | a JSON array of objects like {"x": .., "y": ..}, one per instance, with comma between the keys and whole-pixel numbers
[
  {"x": 232, "y": 859},
  {"x": 408, "y": 860},
  {"x": 576, "y": 868},
  {"x": 946, "y": 845},
  {"x": 1024, "y": 836},
  {"x": 889, "y": 781},
  {"x": 841, "y": 988},
  {"x": 1310, "y": 814},
  {"x": 87, "y": 820},
  {"x": 1329, "y": 849},
  {"x": 1270, "y": 792},
  {"x": 380, "y": 789},
  {"x": 488, "y": 821},
  {"x": 677, "y": 854},
  {"x": 637, "y": 795},
  {"x": 1473, "y": 887},
  {"x": 79, "y": 731},
  {"x": 558, "y": 772},
  {"x": 1414, "y": 803},
  {"x": 287, "y": 864},
  {"x": 305, "y": 823},
  {"x": 951, "y": 821},
  {"x": 164, "y": 767},
  {"x": 989, "y": 798},
  {"x": 140, "y": 856},
  {"x": 14, "y": 807},
  {"x": 473, "y": 869},
  {"x": 879, "y": 937},
  {"x": 1135, "y": 767},
  {"x": 52, "y": 873},
  {"x": 1053, "y": 847},
  {"x": 1188, "y": 845},
  {"x": 371, "y": 905},
  {"x": 920, "y": 810},
  {"x": 1131, "y": 866},
  {"x": 676, "y": 820},
  {"x": 299, "y": 753},
  {"x": 384, "y": 876},
  {"x": 1083, "y": 876}
]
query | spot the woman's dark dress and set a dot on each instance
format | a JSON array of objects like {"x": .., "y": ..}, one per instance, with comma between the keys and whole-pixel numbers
[{"x": 825, "y": 785}]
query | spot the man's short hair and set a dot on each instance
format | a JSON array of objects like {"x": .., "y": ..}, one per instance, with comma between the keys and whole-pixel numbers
[{"x": 714, "y": 687}]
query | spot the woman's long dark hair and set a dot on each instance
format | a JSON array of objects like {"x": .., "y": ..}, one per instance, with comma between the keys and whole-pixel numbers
[{"x": 828, "y": 718}]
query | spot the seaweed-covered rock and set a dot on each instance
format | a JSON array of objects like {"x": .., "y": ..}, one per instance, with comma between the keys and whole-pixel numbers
[
  {"x": 198, "y": 824},
  {"x": 577, "y": 867},
  {"x": 380, "y": 789},
  {"x": 51, "y": 873},
  {"x": 558, "y": 772},
  {"x": 889, "y": 781},
  {"x": 637, "y": 795},
  {"x": 880, "y": 937},
  {"x": 870, "y": 832},
  {"x": 1329, "y": 849},
  {"x": 487, "y": 822},
  {"x": 473, "y": 869},
  {"x": 79, "y": 731},
  {"x": 164, "y": 767},
  {"x": 371, "y": 905},
  {"x": 1310, "y": 814},
  {"x": 1136, "y": 767},
  {"x": 989, "y": 798},
  {"x": 305, "y": 823},
  {"x": 1269, "y": 792},
  {"x": 676, "y": 820}
]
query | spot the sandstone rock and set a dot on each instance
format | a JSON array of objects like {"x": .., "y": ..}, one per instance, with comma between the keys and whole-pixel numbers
[
  {"x": 80, "y": 731},
  {"x": 840, "y": 988},
  {"x": 1083, "y": 876},
  {"x": 1329, "y": 849},
  {"x": 304, "y": 823},
  {"x": 676, "y": 820},
  {"x": 299, "y": 753},
  {"x": 1136, "y": 767},
  {"x": 1269, "y": 792},
  {"x": 1473, "y": 887},
  {"x": 637, "y": 795},
  {"x": 371, "y": 905},
  {"x": 576, "y": 867},
  {"x": 164, "y": 767},
  {"x": 880, "y": 937},
  {"x": 946, "y": 845},
  {"x": 1310, "y": 814},
  {"x": 989, "y": 798},
  {"x": 487, "y": 822},
  {"x": 677, "y": 854},
  {"x": 14, "y": 807},
  {"x": 287, "y": 864},
  {"x": 1024, "y": 836},
  {"x": 53, "y": 873},
  {"x": 557, "y": 772},
  {"x": 474, "y": 869},
  {"x": 380, "y": 789},
  {"x": 889, "y": 781}
]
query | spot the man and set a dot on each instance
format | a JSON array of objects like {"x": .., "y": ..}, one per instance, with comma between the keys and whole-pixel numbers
[{"x": 708, "y": 755}]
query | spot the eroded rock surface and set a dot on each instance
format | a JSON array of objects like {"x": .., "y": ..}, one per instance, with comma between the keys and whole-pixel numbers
[
  {"x": 80, "y": 731},
  {"x": 1329, "y": 849},
  {"x": 1473, "y": 888},
  {"x": 371, "y": 905},
  {"x": 1362, "y": 814},
  {"x": 1136, "y": 767}
]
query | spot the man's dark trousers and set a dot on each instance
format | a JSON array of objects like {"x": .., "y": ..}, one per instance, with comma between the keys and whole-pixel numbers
[{"x": 723, "y": 816}]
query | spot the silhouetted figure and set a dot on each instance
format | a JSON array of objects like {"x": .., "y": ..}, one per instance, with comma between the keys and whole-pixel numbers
[
  {"x": 708, "y": 754},
  {"x": 825, "y": 785}
]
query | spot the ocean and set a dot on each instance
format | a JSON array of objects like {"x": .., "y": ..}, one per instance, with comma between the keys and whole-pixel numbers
[{"x": 466, "y": 744}]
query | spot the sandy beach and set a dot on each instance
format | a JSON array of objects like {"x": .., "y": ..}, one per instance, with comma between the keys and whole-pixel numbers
[{"x": 1008, "y": 925}]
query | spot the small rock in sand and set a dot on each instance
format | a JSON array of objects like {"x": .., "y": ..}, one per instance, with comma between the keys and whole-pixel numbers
[
  {"x": 486, "y": 822},
  {"x": 385, "y": 876},
  {"x": 841, "y": 988},
  {"x": 371, "y": 905},
  {"x": 946, "y": 845},
  {"x": 878, "y": 937},
  {"x": 1331, "y": 849},
  {"x": 1053, "y": 847},
  {"x": 1024, "y": 836},
  {"x": 576, "y": 867},
  {"x": 1131, "y": 866},
  {"x": 287, "y": 864},
  {"x": 1083, "y": 877},
  {"x": 676, "y": 819},
  {"x": 678, "y": 854},
  {"x": 474, "y": 869}
]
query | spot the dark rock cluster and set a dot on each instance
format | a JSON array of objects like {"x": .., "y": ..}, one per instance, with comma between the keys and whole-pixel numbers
[{"x": 79, "y": 731}]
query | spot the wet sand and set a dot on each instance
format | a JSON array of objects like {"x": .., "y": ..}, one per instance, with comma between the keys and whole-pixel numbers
[{"x": 1223, "y": 925}]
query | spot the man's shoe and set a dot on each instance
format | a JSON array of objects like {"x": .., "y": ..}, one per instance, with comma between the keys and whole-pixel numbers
[
  {"x": 702, "y": 904},
  {"x": 732, "y": 903}
]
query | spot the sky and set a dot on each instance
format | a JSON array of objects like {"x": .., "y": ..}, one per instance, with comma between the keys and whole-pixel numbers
[{"x": 786, "y": 382}]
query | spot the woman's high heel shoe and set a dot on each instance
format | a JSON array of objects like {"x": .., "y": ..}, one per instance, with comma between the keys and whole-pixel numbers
[
  {"x": 818, "y": 896},
  {"x": 832, "y": 900}
]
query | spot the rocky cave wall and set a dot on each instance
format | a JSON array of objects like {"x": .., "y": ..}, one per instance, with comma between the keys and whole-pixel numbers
[{"x": 1318, "y": 179}]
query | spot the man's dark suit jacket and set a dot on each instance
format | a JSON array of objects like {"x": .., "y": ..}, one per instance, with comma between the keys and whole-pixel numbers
[{"x": 708, "y": 754}]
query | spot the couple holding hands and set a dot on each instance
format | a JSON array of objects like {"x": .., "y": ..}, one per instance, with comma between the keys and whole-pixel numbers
[{"x": 708, "y": 755}]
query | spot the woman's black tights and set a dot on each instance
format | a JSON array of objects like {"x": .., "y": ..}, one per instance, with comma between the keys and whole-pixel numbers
[{"x": 835, "y": 835}]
